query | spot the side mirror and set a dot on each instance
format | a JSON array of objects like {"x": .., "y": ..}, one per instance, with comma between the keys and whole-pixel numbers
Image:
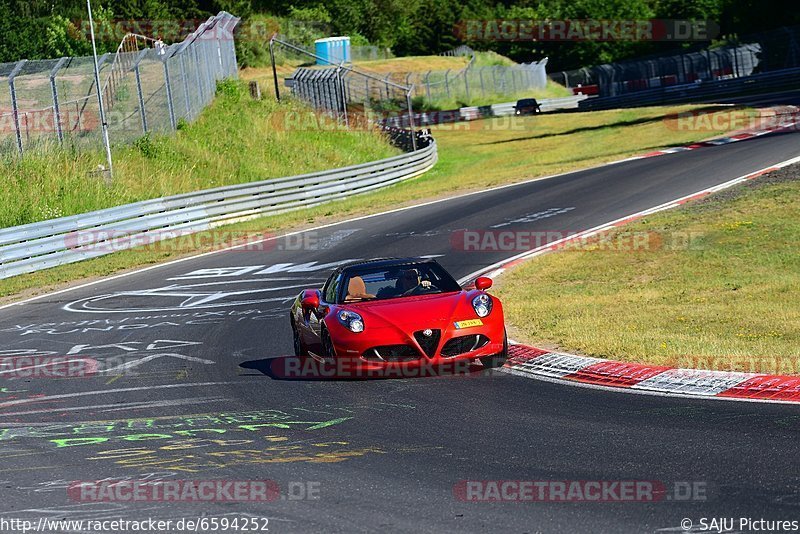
[
  {"x": 483, "y": 283},
  {"x": 310, "y": 300}
]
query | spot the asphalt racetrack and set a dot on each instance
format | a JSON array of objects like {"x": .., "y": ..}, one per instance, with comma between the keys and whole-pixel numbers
[{"x": 185, "y": 390}]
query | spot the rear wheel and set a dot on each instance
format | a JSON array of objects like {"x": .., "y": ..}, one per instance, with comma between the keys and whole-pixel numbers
[{"x": 497, "y": 360}]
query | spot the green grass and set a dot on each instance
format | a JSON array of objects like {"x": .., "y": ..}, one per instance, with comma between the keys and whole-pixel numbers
[
  {"x": 477, "y": 98},
  {"x": 495, "y": 151},
  {"x": 472, "y": 156},
  {"x": 234, "y": 141},
  {"x": 726, "y": 301},
  {"x": 418, "y": 66}
]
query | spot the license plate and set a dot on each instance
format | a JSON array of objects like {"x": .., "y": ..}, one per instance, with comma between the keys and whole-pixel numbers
[{"x": 469, "y": 323}]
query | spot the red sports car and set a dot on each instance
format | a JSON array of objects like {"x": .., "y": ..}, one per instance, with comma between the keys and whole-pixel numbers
[{"x": 398, "y": 312}]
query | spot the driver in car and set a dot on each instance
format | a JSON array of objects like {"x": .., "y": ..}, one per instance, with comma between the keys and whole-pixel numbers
[
  {"x": 410, "y": 280},
  {"x": 407, "y": 281}
]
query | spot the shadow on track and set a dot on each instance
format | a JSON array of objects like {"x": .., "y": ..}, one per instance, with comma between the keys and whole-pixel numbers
[{"x": 292, "y": 368}]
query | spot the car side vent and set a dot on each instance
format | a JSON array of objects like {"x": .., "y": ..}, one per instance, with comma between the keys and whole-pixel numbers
[{"x": 428, "y": 343}]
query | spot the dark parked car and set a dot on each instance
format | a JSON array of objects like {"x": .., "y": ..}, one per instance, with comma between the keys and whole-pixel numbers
[{"x": 527, "y": 106}]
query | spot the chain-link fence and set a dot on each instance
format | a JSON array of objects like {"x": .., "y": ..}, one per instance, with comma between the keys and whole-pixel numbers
[
  {"x": 147, "y": 86},
  {"x": 369, "y": 53},
  {"x": 353, "y": 97},
  {"x": 471, "y": 81},
  {"x": 753, "y": 54}
]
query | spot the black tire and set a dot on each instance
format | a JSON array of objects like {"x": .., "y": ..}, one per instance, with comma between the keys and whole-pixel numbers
[
  {"x": 328, "y": 351},
  {"x": 299, "y": 350},
  {"x": 497, "y": 360}
]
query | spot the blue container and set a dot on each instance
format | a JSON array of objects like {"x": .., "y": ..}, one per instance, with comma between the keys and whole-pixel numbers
[{"x": 332, "y": 50}]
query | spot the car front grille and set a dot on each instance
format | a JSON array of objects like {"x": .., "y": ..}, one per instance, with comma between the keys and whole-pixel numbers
[
  {"x": 392, "y": 353},
  {"x": 428, "y": 343},
  {"x": 461, "y": 344}
]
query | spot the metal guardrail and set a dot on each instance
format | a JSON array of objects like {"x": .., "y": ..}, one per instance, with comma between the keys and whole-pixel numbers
[
  {"x": 701, "y": 92},
  {"x": 480, "y": 112},
  {"x": 36, "y": 246}
]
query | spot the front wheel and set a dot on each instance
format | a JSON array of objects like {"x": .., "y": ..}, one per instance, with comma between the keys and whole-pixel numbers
[
  {"x": 299, "y": 349},
  {"x": 328, "y": 351},
  {"x": 497, "y": 360}
]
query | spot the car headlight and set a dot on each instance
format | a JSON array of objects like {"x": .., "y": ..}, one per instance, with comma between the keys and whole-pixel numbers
[
  {"x": 351, "y": 320},
  {"x": 482, "y": 305}
]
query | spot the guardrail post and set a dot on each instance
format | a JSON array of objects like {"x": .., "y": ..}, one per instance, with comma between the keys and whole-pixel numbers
[
  {"x": 56, "y": 105},
  {"x": 14, "y": 107},
  {"x": 139, "y": 92}
]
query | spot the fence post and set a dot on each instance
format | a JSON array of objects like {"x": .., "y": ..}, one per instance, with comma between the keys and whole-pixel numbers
[
  {"x": 411, "y": 119},
  {"x": 15, "y": 109},
  {"x": 447, "y": 83},
  {"x": 168, "y": 85},
  {"x": 340, "y": 87},
  {"x": 198, "y": 79},
  {"x": 202, "y": 60},
  {"x": 466, "y": 84},
  {"x": 428, "y": 85},
  {"x": 56, "y": 106},
  {"x": 181, "y": 55},
  {"x": 212, "y": 79},
  {"x": 140, "y": 94},
  {"x": 480, "y": 78}
]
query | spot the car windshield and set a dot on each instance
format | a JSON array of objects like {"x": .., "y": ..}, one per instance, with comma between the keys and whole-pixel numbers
[
  {"x": 397, "y": 281},
  {"x": 526, "y": 102}
]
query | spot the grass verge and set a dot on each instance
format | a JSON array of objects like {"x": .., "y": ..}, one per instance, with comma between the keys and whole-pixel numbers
[
  {"x": 232, "y": 142},
  {"x": 472, "y": 156},
  {"x": 722, "y": 294}
]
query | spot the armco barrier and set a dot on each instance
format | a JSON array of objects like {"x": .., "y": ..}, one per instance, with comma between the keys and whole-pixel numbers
[
  {"x": 700, "y": 92},
  {"x": 480, "y": 112},
  {"x": 36, "y": 246}
]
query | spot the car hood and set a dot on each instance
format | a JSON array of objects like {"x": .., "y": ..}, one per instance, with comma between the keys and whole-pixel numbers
[{"x": 424, "y": 311}]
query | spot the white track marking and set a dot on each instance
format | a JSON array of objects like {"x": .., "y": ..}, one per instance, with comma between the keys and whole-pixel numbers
[
  {"x": 125, "y": 406},
  {"x": 497, "y": 269},
  {"x": 106, "y": 392},
  {"x": 140, "y": 361}
]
